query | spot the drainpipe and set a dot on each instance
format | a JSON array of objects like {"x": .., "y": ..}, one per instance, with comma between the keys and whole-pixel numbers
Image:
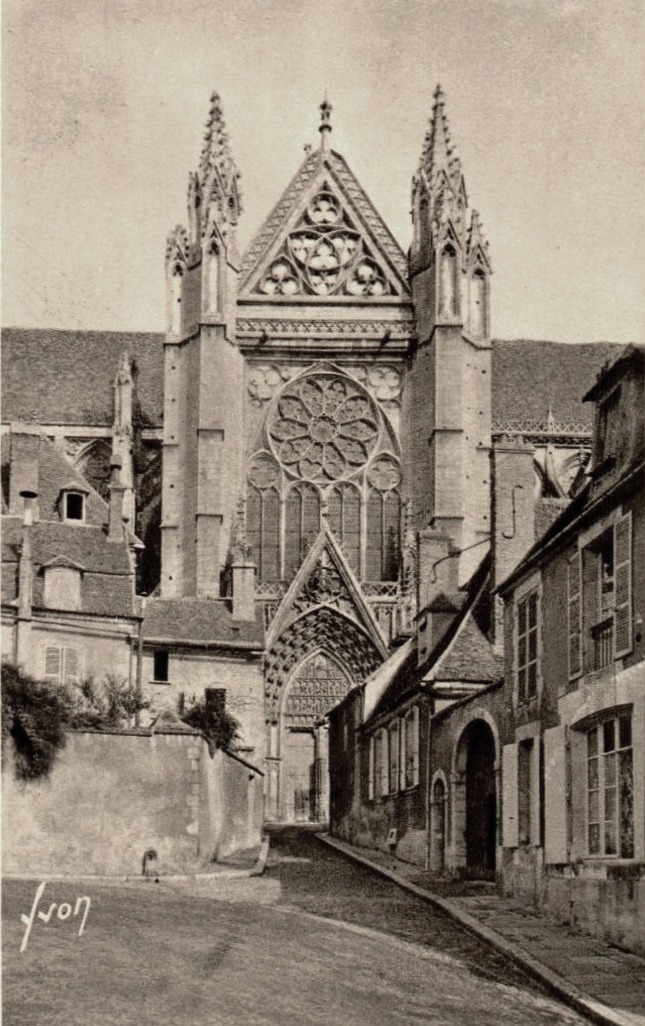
[
  {"x": 137, "y": 718},
  {"x": 25, "y": 581}
]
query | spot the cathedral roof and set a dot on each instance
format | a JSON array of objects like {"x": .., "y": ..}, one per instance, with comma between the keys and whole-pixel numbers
[
  {"x": 66, "y": 377},
  {"x": 208, "y": 622}
]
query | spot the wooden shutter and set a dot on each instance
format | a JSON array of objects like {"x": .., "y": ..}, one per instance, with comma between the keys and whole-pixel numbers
[
  {"x": 53, "y": 662},
  {"x": 370, "y": 769},
  {"x": 623, "y": 586},
  {"x": 415, "y": 745},
  {"x": 402, "y": 753},
  {"x": 590, "y": 603},
  {"x": 510, "y": 825},
  {"x": 575, "y": 618},
  {"x": 72, "y": 664},
  {"x": 555, "y": 796}
]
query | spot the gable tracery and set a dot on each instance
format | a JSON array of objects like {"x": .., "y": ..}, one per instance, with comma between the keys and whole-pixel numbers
[
  {"x": 324, "y": 256},
  {"x": 327, "y": 456}
]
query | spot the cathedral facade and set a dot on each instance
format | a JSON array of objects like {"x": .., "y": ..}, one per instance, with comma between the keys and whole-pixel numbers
[
  {"x": 324, "y": 398},
  {"x": 314, "y": 404}
]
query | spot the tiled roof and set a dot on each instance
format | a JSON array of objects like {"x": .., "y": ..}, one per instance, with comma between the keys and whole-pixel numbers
[
  {"x": 470, "y": 658},
  {"x": 531, "y": 379},
  {"x": 204, "y": 620},
  {"x": 67, "y": 377}
]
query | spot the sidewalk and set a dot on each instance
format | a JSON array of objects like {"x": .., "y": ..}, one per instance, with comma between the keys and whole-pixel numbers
[{"x": 601, "y": 982}]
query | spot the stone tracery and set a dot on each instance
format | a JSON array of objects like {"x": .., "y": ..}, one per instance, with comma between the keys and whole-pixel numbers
[{"x": 324, "y": 256}]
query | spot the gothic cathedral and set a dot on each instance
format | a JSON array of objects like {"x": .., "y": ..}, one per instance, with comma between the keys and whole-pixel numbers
[{"x": 325, "y": 397}]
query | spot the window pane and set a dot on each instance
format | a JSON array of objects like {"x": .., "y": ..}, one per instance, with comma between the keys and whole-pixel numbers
[
  {"x": 532, "y": 682},
  {"x": 533, "y": 645},
  {"x": 610, "y": 803},
  {"x": 533, "y": 610},
  {"x": 592, "y": 774},
  {"x": 624, "y": 732},
  {"x": 626, "y": 810},
  {"x": 594, "y": 807},
  {"x": 521, "y": 652},
  {"x": 610, "y": 771},
  {"x": 608, "y": 733},
  {"x": 610, "y": 838},
  {"x": 592, "y": 742},
  {"x": 594, "y": 838},
  {"x": 521, "y": 617}
]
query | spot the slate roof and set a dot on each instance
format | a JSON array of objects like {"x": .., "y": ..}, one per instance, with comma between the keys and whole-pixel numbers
[
  {"x": 532, "y": 378},
  {"x": 107, "y": 582},
  {"x": 52, "y": 376},
  {"x": 462, "y": 653},
  {"x": 66, "y": 377},
  {"x": 209, "y": 621}
]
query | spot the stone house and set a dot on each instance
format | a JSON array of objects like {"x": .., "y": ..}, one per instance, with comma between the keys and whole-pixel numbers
[{"x": 573, "y": 825}]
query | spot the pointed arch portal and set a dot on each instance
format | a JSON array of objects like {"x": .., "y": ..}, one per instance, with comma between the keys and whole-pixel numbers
[{"x": 308, "y": 670}]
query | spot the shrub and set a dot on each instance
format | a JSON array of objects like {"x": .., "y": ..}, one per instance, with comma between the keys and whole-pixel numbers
[
  {"x": 218, "y": 726},
  {"x": 112, "y": 703},
  {"x": 35, "y": 715}
]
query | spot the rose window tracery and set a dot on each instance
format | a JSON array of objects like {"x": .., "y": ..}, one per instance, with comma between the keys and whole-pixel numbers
[
  {"x": 384, "y": 474},
  {"x": 324, "y": 256},
  {"x": 323, "y": 429}
]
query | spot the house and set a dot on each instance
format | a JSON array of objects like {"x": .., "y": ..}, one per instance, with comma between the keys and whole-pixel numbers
[
  {"x": 573, "y": 823},
  {"x": 69, "y": 609}
]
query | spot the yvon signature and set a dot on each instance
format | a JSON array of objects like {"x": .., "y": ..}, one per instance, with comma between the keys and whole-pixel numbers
[{"x": 64, "y": 912}]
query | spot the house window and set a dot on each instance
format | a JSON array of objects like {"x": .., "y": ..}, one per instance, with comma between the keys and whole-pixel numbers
[
  {"x": 411, "y": 728},
  {"x": 609, "y": 428},
  {"x": 73, "y": 506},
  {"x": 62, "y": 665},
  {"x": 160, "y": 672},
  {"x": 606, "y": 587},
  {"x": 380, "y": 764},
  {"x": 610, "y": 788},
  {"x": 393, "y": 779},
  {"x": 524, "y": 790},
  {"x": 527, "y": 646}
]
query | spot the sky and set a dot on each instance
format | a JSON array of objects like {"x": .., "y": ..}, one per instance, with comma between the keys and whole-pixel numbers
[{"x": 104, "y": 104}]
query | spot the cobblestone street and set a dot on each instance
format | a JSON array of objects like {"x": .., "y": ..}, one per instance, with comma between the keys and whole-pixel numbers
[{"x": 316, "y": 940}]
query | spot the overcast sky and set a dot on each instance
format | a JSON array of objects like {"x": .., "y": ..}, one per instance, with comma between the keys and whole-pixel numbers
[{"x": 105, "y": 103}]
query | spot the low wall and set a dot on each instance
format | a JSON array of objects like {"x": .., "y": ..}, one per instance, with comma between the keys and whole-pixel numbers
[{"x": 112, "y": 797}]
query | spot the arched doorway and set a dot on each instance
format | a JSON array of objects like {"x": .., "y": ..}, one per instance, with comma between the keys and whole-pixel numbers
[
  {"x": 477, "y": 815},
  {"x": 314, "y": 688},
  {"x": 438, "y": 826}
]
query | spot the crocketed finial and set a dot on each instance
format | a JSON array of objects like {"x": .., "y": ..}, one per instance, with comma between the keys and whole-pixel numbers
[{"x": 325, "y": 123}]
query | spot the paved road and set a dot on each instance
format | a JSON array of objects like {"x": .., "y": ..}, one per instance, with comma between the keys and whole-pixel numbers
[{"x": 315, "y": 941}]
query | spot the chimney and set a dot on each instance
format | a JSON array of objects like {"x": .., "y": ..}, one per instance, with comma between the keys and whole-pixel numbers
[
  {"x": 244, "y": 592},
  {"x": 438, "y": 576},
  {"x": 25, "y": 580},
  {"x": 25, "y": 447},
  {"x": 513, "y": 511},
  {"x": 116, "y": 526}
]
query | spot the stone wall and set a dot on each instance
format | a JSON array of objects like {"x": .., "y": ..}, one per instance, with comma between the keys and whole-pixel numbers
[{"x": 112, "y": 797}]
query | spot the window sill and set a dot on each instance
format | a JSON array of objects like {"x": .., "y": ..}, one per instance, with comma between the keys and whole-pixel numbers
[{"x": 163, "y": 683}]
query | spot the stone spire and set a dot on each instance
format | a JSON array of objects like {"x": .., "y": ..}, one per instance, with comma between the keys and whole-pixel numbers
[
  {"x": 438, "y": 153},
  {"x": 218, "y": 175},
  {"x": 477, "y": 248},
  {"x": 325, "y": 128}
]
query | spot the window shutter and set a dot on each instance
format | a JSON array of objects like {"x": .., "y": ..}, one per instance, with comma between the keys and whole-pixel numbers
[
  {"x": 370, "y": 769},
  {"x": 402, "y": 753},
  {"x": 555, "y": 796},
  {"x": 590, "y": 603},
  {"x": 510, "y": 826},
  {"x": 623, "y": 571},
  {"x": 72, "y": 666},
  {"x": 415, "y": 745},
  {"x": 575, "y": 618},
  {"x": 53, "y": 662}
]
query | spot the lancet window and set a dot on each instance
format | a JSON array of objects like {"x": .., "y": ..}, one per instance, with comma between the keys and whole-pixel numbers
[{"x": 329, "y": 457}]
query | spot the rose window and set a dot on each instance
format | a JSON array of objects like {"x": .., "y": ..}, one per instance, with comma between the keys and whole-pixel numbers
[
  {"x": 324, "y": 256},
  {"x": 323, "y": 428}
]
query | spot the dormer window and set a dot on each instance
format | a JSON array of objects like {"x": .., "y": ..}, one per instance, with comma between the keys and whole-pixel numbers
[{"x": 72, "y": 504}]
